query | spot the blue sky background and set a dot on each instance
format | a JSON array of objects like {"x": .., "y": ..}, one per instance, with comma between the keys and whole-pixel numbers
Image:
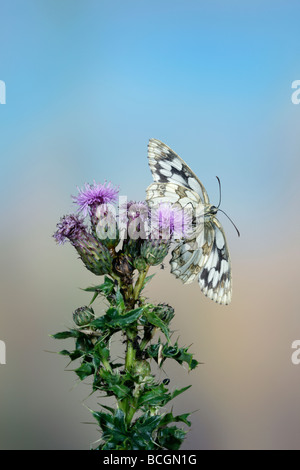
[
  {"x": 87, "y": 84},
  {"x": 212, "y": 80}
]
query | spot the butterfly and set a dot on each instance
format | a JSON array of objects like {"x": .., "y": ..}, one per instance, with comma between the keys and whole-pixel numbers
[{"x": 204, "y": 252}]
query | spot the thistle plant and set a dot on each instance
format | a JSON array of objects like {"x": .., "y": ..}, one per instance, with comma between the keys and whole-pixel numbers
[{"x": 123, "y": 249}]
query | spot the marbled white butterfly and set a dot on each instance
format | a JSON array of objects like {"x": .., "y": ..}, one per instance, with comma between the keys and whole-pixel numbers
[{"x": 204, "y": 253}]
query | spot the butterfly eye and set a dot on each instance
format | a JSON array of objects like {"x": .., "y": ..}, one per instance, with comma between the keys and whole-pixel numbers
[{"x": 213, "y": 210}]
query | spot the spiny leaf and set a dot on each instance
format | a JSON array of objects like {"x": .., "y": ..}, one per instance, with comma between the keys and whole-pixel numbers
[
  {"x": 179, "y": 354},
  {"x": 179, "y": 391},
  {"x": 112, "y": 319},
  {"x": 156, "y": 321},
  {"x": 120, "y": 301},
  {"x": 157, "y": 396},
  {"x": 147, "y": 280},
  {"x": 94, "y": 298},
  {"x": 106, "y": 288},
  {"x": 84, "y": 370},
  {"x": 66, "y": 334},
  {"x": 72, "y": 354},
  {"x": 169, "y": 418},
  {"x": 129, "y": 317},
  {"x": 171, "y": 437}
]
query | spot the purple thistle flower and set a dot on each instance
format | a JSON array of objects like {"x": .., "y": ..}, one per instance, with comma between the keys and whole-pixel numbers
[
  {"x": 91, "y": 196},
  {"x": 170, "y": 221},
  {"x": 70, "y": 228}
]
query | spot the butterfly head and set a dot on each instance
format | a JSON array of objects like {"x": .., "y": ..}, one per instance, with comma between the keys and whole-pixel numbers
[{"x": 213, "y": 210}]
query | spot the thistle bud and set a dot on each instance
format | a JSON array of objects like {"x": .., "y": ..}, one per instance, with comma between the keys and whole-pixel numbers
[
  {"x": 94, "y": 255},
  {"x": 132, "y": 248},
  {"x": 165, "y": 312},
  {"x": 140, "y": 264},
  {"x": 154, "y": 251},
  {"x": 111, "y": 242},
  {"x": 83, "y": 315},
  {"x": 104, "y": 226}
]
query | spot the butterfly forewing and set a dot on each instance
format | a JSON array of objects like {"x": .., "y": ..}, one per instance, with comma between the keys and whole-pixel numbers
[
  {"x": 173, "y": 193},
  {"x": 168, "y": 167}
]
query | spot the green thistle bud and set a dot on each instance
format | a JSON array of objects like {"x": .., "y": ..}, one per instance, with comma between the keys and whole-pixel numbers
[
  {"x": 106, "y": 230},
  {"x": 132, "y": 248},
  {"x": 165, "y": 312},
  {"x": 94, "y": 255},
  {"x": 111, "y": 242},
  {"x": 140, "y": 264},
  {"x": 83, "y": 315},
  {"x": 154, "y": 251}
]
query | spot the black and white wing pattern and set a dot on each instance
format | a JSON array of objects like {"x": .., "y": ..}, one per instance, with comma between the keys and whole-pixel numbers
[
  {"x": 204, "y": 253},
  {"x": 168, "y": 167}
]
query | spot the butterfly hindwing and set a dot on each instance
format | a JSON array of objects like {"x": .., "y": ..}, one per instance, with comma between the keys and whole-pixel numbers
[
  {"x": 215, "y": 277},
  {"x": 189, "y": 257}
]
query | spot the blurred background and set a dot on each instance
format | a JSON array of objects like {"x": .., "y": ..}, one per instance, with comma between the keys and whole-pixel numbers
[{"x": 87, "y": 84}]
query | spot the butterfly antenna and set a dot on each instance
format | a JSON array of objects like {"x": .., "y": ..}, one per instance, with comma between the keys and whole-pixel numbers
[
  {"x": 220, "y": 193},
  {"x": 231, "y": 222}
]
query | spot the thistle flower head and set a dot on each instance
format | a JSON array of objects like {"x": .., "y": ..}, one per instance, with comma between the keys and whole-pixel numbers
[
  {"x": 70, "y": 227},
  {"x": 169, "y": 220},
  {"x": 91, "y": 196}
]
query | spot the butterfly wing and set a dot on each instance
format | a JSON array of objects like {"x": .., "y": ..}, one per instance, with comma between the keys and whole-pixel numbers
[
  {"x": 215, "y": 277},
  {"x": 204, "y": 253},
  {"x": 172, "y": 193},
  {"x": 168, "y": 167},
  {"x": 206, "y": 256},
  {"x": 189, "y": 257}
]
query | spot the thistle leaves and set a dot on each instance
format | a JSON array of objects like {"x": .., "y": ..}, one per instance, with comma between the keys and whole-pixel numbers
[
  {"x": 154, "y": 320},
  {"x": 180, "y": 355},
  {"x": 129, "y": 380},
  {"x": 149, "y": 432}
]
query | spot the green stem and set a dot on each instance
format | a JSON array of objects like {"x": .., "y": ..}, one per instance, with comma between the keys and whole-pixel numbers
[
  {"x": 106, "y": 365},
  {"x": 139, "y": 283},
  {"x": 147, "y": 340},
  {"x": 129, "y": 404},
  {"x": 130, "y": 353}
]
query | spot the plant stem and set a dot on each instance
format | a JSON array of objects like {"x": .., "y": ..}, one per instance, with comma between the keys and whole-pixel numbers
[
  {"x": 139, "y": 283},
  {"x": 145, "y": 341},
  {"x": 128, "y": 405}
]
